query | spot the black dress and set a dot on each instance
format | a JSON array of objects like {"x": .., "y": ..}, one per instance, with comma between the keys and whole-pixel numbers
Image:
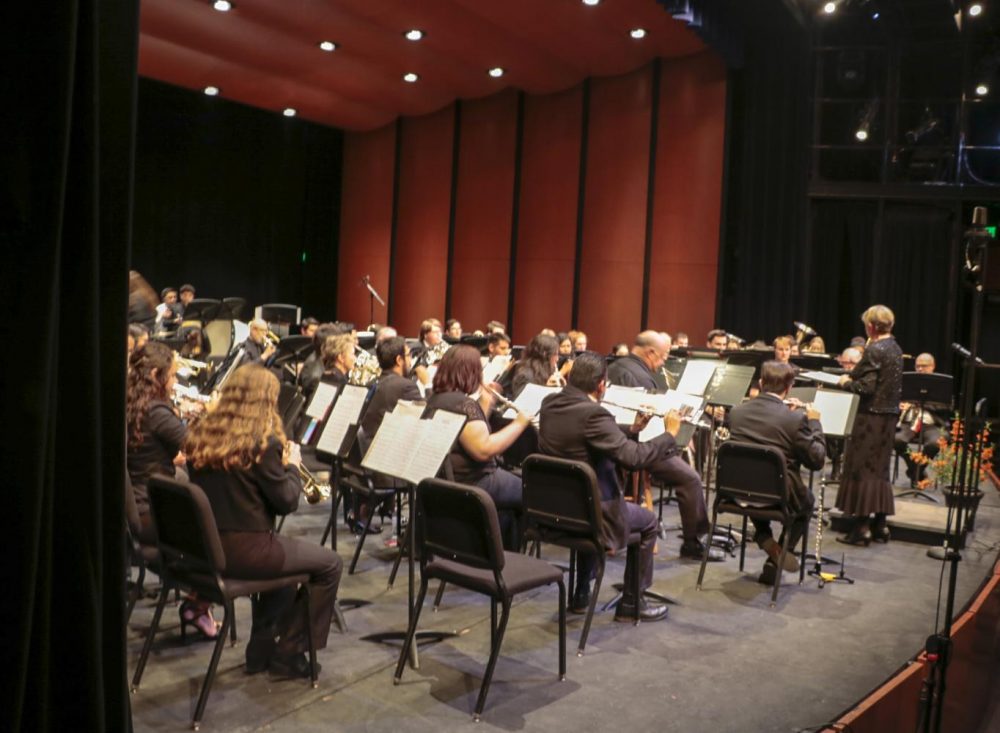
[{"x": 866, "y": 487}]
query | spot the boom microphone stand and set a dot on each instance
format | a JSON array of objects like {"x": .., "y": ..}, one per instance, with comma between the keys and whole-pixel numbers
[{"x": 372, "y": 297}]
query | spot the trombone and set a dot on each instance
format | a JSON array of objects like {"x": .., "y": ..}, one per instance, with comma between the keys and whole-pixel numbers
[{"x": 314, "y": 490}]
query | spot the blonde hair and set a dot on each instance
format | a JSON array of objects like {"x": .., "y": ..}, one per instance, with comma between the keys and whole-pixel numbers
[
  {"x": 785, "y": 341},
  {"x": 334, "y": 346},
  {"x": 880, "y": 318},
  {"x": 236, "y": 432}
]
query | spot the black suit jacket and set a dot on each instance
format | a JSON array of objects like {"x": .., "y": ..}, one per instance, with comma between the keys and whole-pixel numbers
[
  {"x": 766, "y": 420},
  {"x": 575, "y": 427},
  {"x": 631, "y": 371},
  {"x": 389, "y": 389}
]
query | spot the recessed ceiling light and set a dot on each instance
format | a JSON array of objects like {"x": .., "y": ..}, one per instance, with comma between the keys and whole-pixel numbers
[
  {"x": 328, "y": 46},
  {"x": 414, "y": 34},
  {"x": 861, "y": 135},
  {"x": 223, "y": 6},
  {"x": 410, "y": 77},
  {"x": 829, "y": 8},
  {"x": 975, "y": 9},
  {"x": 496, "y": 72},
  {"x": 212, "y": 91},
  {"x": 591, "y": 2},
  {"x": 982, "y": 90},
  {"x": 289, "y": 112},
  {"x": 637, "y": 33}
]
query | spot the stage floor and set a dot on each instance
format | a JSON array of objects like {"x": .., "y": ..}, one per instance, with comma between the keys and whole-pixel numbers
[{"x": 724, "y": 661}]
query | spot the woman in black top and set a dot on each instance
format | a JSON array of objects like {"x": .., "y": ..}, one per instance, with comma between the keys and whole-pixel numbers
[
  {"x": 473, "y": 458},
  {"x": 538, "y": 365},
  {"x": 866, "y": 488},
  {"x": 240, "y": 458}
]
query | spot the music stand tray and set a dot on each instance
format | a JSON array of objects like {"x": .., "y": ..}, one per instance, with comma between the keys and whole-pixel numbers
[
  {"x": 928, "y": 389},
  {"x": 729, "y": 385},
  {"x": 202, "y": 309}
]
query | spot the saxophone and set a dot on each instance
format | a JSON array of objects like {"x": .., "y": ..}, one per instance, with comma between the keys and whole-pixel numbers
[
  {"x": 436, "y": 352},
  {"x": 365, "y": 370}
]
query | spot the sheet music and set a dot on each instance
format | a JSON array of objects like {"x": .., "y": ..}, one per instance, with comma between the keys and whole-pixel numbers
[
  {"x": 320, "y": 402},
  {"x": 697, "y": 374},
  {"x": 390, "y": 443},
  {"x": 530, "y": 400},
  {"x": 493, "y": 368},
  {"x": 622, "y": 415},
  {"x": 836, "y": 411},
  {"x": 822, "y": 377},
  {"x": 436, "y": 437},
  {"x": 410, "y": 408},
  {"x": 409, "y": 448},
  {"x": 346, "y": 412}
]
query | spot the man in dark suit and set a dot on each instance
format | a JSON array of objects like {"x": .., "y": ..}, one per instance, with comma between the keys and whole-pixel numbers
[
  {"x": 392, "y": 386},
  {"x": 641, "y": 369},
  {"x": 574, "y": 425},
  {"x": 767, "y": 420}
]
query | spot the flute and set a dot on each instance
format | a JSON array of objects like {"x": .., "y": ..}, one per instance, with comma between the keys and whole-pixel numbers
[
  {"x": 507, "y": 403},
  {"x": 684, "y": 413}
]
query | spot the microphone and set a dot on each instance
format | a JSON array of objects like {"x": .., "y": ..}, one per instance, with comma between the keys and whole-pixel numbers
[
  {"x": 366, "y": 280},
  {"x": 964, "y": 352}
]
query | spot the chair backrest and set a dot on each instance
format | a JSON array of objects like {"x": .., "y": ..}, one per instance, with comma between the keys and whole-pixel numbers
[
  {"x": 186, "y": 533},
  {"x": 751, "y": 474},
  {"x": 291, "y": 402},
  {"x": 458, "y": 522},
  {"x": 563, "y": 496}
]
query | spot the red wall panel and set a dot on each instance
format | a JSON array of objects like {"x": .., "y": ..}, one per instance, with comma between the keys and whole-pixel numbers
[
  {"x": 424, "y": 190},
  {"x": 483, "y": 202},
  {"x": 614, "y": 217},
  {"x": 365, "y": 221},
  {"x": 688, "y": 201},
  {"x": 546, "y": 243}
]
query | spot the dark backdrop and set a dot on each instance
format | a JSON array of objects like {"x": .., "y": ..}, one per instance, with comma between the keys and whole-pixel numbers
[{"x": 235, "y": 200}]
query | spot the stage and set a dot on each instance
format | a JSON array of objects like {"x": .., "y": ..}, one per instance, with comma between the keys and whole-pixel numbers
[{"x": 723, "y": 661}]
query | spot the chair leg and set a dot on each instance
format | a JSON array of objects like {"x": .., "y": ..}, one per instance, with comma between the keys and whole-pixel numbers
[
  {"x": 781, "y": 564},
  {"x": 438, "y": 596},
  {"x": 331, "y": 523},
  {"x": 571, "y": 585},
  {"x": 802, "y": 555},
  {"x": 404, "y": 653},
  {"x": 493, "y": 622},
  {"x": 743, "y": 543},
  {"x": 562, "y": 630},
  {"x": 306, "y": 601},
  {"x": 213, "y": 665},
  {"x": 636, "y": 592},
  {"x": 708, "y": 545},
  {"x": 338, "y": 615},
  {"x": 281, "y": 523},
  {"x": 494, "y": 653},
  {"x": 136, "y": 592},
  {"x": 361, "y": 542},
  {"x": 232, "y": 626},
  {"x": 402, "y": 545},
  {"x": 593, "y": 605},
  {"x": 148, "y": 644}
]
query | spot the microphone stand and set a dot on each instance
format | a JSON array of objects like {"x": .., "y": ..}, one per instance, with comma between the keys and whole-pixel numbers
[{"x": 372, "y": 297}]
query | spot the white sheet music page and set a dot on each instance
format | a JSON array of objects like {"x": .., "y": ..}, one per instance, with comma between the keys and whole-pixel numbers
[
  {"x": 620, "y": 396},
  {"x": 834, "y": 409},
  {"x": 389, "y": 449},
  {"x": 697, "y": 374},
  {"x": 821, "y": 377},
  {"x": 321, "y": 399},
  {"x": 691, "y": 406},
  {"x": 530, "y": 400},
  {"x": 410, "y": 408},
  {"x": 345, "y": 413},
  {"x": 436, "y": 437},
  {"x": 493, "y": 368}
]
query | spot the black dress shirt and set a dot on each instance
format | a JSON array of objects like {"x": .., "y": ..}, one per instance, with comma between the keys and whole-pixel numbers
[{"x": 878, "y": 377}]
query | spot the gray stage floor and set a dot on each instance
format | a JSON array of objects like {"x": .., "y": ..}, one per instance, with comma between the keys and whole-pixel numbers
[{"x": 723, "y": 661}]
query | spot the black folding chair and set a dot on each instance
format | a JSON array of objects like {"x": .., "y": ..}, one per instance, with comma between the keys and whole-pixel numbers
[
  {"x": 192, "y": 558},
  {"x": 750, "y": 482},
  {"x": 459, "y": 542},
  {"x": 562, "y": 505}
]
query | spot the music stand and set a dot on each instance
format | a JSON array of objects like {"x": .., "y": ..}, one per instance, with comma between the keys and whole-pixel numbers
[
  {"x": 202, "y": 309},
  {"x": 232, "y": 308},
  {"x": 292, "y": 350},
  {"x": 837, "y": 412},
  {"x": 925, "y": 390},
  {"x": 279, "y": 316}
]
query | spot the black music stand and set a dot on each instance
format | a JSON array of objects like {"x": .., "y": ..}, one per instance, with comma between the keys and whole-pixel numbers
[
  {"x": 232, "y": 308},
  {"x": 202, "y": 309},
  {"x": 279, "y": 316},
  {"x": 926, "y": 391},
  {"x": 292, "y": 350}
]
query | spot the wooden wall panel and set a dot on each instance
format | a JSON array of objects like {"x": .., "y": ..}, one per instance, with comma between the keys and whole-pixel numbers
[
  {"x": 484, "y": 197},
  {"x": 614, "y": 217},
  {"x": 688, "y": 195},
  {"x": 546, "y": 242},
  {"x": 420, "y": 269},
  {"x": 365, "y": 222}
]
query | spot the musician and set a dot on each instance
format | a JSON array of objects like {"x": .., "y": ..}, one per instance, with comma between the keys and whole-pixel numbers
[
  {"x": 473, "y": 458},
  {"x": 849, "y": 357},
  {"x": 258, "y": 348},
  {"x": 565, "y": 344},
  {"x": 816, "y": 345},
  {"x": 242, "y": 461},
  {"x": 312, "y": 367},
  {"x": 495, "y": 327},
  {"x": 620, "y": 349},
  {"x": 453, "y": 330},
  {"x": 640, "y": 369},
  {"x": 309, "y": 326},
  {"x": 538, "y": 365},
  {"x": 338, "y": 359},
  {"x": 392, "y": 385},
  {"x": 168, "y": 312},
  {"x": 579, "y": 341},
  {"x": 497, "y": 344},
  {"x": 918, "y": 426},
  {"x": 432, "y": 346},
  {"x": 865, "y": 488},
  {"x": 186, "y": 294},
  {"x": 681, "y": 341},
  {"x": 138, "y": 335},
  {"x": 575, "y": 426},
  {"x": 384, "y": 333},
  {"x": 716, "y": 339},
  {"x": 767, "y": 420},
  {"x": 783, "y": 348}
]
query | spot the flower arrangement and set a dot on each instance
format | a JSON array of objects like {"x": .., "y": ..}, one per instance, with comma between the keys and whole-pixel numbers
[{"x": 946, "y": 465}]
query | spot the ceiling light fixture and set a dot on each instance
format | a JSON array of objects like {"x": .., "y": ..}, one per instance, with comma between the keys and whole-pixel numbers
[
  {"x": 212, "y": 91},
  {"x": 328, "y": 46},
  {"x": 975, "y": 9},
  {"x": 982, "y": 90},
  {"x": 591, "y": 2},
  {"x": 830, "y": 8},
  {"x": 496, "y": 72},
  {"x": 637, "y": 33},
  {"x": 289, "y": 112},
  {"x": 410, "y": 77},
  {"x": 414, "y": 34},
  {"x": 223, "y": 6}
]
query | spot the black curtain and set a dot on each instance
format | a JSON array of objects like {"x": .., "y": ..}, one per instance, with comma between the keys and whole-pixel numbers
[
  {"x": 236, "y": 200},
  {"x": 66, "y": 148}
]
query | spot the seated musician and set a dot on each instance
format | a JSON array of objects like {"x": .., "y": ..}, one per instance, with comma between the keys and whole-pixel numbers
[
  {"x": 168, "y": 312},
  {"x": 473, "y": 458},
  {"x": 453, "y": 330},
  {"x": 816, "y": 345},
  {"x": 579, "y": 341},
  {"x": 338, "y": 359},
  {"x": 849, "y": 358},
  {"x": 185, "y": 295},
  {"x": 139, "y": 336},
  {"x": 309, "y": 326},
  {"x": 240, "y": 458},
  {"x": 312, "y": 367},
  {"x": 717, "y": 339},
  {"x": 432, "y": 347},
  {"x": 767, "y": 420},
  {"x": 155, "y": 435},
  {"x": 783, "y": 348},
  {"x": 538, "y": 365},
  {"x": 918, "y": 425},
  {"x": 497, "y": 344},
  {"x": 565, "y": 344},
  {"x": 681, "y": 342},
  {"x": 640, "y": 369},
  {"x": 620, "y": 349},
  {"x": 495, "y": 327},
  {"x": 258, "y": 348},
  {"x": 575, "y": 426}
]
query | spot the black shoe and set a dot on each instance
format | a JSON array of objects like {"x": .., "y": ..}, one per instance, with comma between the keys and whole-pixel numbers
[
  {"x": 294, "y": 666},
  {"x": 769, "y": 574},
  {"x": 860, "y": 535},
  {"x": 773, "y": 550},
  {"x": 880, "y": 530},
  {"x": 648, "y": 612},
  {"x": 581, "y": 599},
  {"x": 695, "y": 550}
]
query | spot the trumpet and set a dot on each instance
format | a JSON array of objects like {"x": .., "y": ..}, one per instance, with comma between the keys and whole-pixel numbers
[
  {"x": 273, "y": 338},
  {"x": 314, "y": 490}
]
